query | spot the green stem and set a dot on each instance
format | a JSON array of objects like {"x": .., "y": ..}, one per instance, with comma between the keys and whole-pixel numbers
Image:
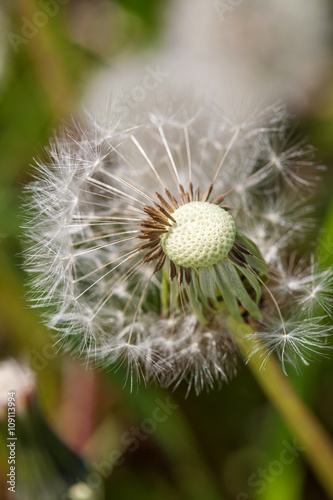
[{"x": 317, "y": 444}]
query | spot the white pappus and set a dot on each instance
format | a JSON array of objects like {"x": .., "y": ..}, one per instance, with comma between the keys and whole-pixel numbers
[{"x": 144, "y": 236}]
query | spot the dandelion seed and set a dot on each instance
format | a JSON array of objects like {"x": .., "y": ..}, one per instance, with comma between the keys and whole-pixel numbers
[
  {"x": 305, "y": 340},
  {"x": 306, "y": 284},
  {"x": 144, "y": 237}
]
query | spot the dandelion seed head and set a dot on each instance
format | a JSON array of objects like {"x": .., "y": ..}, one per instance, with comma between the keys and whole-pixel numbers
[
  {"x": 17, "y": 377},
  {"x": 202, "y": 236},
  {"x": 208, "y": 38},
  {"x": 145, "y": 235}
]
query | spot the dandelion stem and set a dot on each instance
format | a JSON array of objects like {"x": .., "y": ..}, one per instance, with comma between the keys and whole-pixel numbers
[{"x": 317, "y": 444}]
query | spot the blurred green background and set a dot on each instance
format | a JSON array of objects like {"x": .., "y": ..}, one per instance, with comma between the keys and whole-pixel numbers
[{"x": 225, "y": 444}]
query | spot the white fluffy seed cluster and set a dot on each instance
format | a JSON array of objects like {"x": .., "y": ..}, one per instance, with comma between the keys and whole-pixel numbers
[
  {"x": 202, "y": 236},
  {"x": 86, "y": 211}
]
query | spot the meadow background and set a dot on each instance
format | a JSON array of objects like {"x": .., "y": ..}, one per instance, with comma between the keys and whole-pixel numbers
[{"x": 226, "y": 444}]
